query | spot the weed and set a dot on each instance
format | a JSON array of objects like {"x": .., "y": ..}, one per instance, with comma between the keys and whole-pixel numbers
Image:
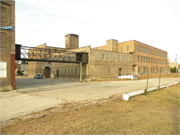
[{"x": 5, "y": 90}]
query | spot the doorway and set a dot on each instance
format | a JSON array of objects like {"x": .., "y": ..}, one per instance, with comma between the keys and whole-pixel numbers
[
  {"x": 57, "y": 74},
  {"x": 120, "y": 69},
  {"x": 47, "y": 72}
]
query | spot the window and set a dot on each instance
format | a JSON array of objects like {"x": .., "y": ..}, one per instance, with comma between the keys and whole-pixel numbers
[
  {"x": 73, "y": 70},
  {"x": 78, "y": 70},
  {"x": 60, "y": 70},
  {"x": 124, "y": 57},
  {"x": 66, "y": 71},
  {"x": 138, "y": 58},
  {"x": 141, "y": 48},
  {"x": 63, "y": 70},
  {"x": 138, "y": 48},
  {"x": 102, "y": 56},
  {"x": 144, "y": 70},
  {"x": 144, "y": 59},
  {"x": 121, "y": 48},
  {"x": 114, "y": 56},
  {"x": 107, "y": 56},
  {"x": 138, "y": 69},
  {"x": 127, "y": 48},
  {"x": 141, "y": 58},
  {"x": 3, "y": 69},
  {"x": 70, "y": 70},
  {"x": 127, "y": 58},
  {"x": 119, "y": 57},
  {"x": 146, "y": 50}
]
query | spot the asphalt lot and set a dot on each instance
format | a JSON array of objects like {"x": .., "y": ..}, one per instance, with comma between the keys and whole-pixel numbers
[{"x": 33, "y": 95}]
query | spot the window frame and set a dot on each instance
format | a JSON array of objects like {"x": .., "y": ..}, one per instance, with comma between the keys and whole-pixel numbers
[
  {"x": 102, "y": 56},
  {"x": 114, "y": 56},
  {"x": 3, "y": 69}
]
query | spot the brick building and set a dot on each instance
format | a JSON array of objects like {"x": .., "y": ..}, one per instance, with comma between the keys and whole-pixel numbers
[
  {"x": 145, "y": 57},
  {"x": 102, "y": 64},
  {"x": 7, "y": 47}
]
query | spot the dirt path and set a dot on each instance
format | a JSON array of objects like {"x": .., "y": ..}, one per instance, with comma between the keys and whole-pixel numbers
[{"x": 29, "y": 100}]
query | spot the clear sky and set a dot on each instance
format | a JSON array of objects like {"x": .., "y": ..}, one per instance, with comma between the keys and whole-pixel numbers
[{"x": 153, "y": 22}]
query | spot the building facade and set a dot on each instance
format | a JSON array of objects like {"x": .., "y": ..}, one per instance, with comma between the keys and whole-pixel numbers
[
  {"x": 7, "y": 47},
  {"x": 145, "y": 57},
  {"x": 102, "y": 64}
]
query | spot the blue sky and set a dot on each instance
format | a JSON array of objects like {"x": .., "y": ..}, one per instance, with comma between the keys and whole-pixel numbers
[{"x": 152, "y": 22}]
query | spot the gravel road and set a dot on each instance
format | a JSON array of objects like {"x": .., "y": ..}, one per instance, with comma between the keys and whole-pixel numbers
[{"x": 33, "y": 95}]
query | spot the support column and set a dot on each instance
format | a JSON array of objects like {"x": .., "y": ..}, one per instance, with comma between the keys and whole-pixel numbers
[
  {"x": 13, "y": 84},
  {"x": 80, "y": 71}
]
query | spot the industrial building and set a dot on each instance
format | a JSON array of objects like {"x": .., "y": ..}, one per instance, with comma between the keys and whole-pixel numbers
[
  {"x": 101, "y": 64},
  {"x": 7, "y": 47},
  {"x": 105, "y": 62},
  {"x": 145, "y": 57}
]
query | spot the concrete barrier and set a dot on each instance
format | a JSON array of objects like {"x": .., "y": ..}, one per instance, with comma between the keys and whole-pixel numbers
[
  {"x": 130, "y": 94},
  {"x": 125, "y": 77}
]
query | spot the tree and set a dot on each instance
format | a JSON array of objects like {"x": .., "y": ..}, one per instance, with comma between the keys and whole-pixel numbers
[
  {"x": 19, "y": 72},
  {"x": 24, "y": 62},
  {"x": 172, "y": 70}
]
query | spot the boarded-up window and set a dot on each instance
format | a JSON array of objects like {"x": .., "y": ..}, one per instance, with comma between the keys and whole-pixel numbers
[
  {"x": 54, "y": 70},
  {"x": 83, "y": 71},
  {"x": 66, "y": 71},
  {"x": 78, "y": 70},
  {"x": 3, "y": 40},
  {"x": 60, "y": 70},
  {"x": 63, "y": 70},
  {"x": 70, "y": 70},
  {"x": 3, "y": 15},
  {"x": 114, "y": 56},
  {"x": 107, "y": 56},
  {"x": 73, "y": 70}
]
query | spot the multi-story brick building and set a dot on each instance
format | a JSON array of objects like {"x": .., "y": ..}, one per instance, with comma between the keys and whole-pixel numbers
[
  {"x": 145, "y": 57},
  {"x": 7, "y": 47},
  {"x": 102, "y": 64}
]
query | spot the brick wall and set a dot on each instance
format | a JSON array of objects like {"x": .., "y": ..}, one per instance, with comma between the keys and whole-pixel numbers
[{"x": 7, "y": 47}]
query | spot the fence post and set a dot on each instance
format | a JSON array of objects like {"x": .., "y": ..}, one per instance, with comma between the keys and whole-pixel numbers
[
  {"x": 147, "y": 83},
  {"x": 159, "y": 78}
]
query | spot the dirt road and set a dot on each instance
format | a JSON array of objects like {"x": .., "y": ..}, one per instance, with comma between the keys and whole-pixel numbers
[{"x": 29, "y": 99}]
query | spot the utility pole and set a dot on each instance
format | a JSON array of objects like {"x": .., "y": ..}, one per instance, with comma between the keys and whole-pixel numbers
[
  {"x": 147, "y": 83},
  {"x": 80, "y": 71},
  {"x": 159, "y": 78}
]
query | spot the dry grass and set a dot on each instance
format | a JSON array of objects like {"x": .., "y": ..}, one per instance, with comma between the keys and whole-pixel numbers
[{"x": 156, "y": 113}]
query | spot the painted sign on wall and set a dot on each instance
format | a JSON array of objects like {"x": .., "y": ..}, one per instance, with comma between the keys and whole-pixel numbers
[{"x": 6, "y": 27}]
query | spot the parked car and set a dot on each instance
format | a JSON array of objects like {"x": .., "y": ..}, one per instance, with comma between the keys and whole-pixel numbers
[{"x": 38, "y": 77}]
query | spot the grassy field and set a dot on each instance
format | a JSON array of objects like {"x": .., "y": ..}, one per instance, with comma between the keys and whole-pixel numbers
[{"x": 155, "y": 113}]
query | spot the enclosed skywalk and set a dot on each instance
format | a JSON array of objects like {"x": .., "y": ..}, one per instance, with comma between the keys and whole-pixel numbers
[{"x": 26, "y": 53}]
